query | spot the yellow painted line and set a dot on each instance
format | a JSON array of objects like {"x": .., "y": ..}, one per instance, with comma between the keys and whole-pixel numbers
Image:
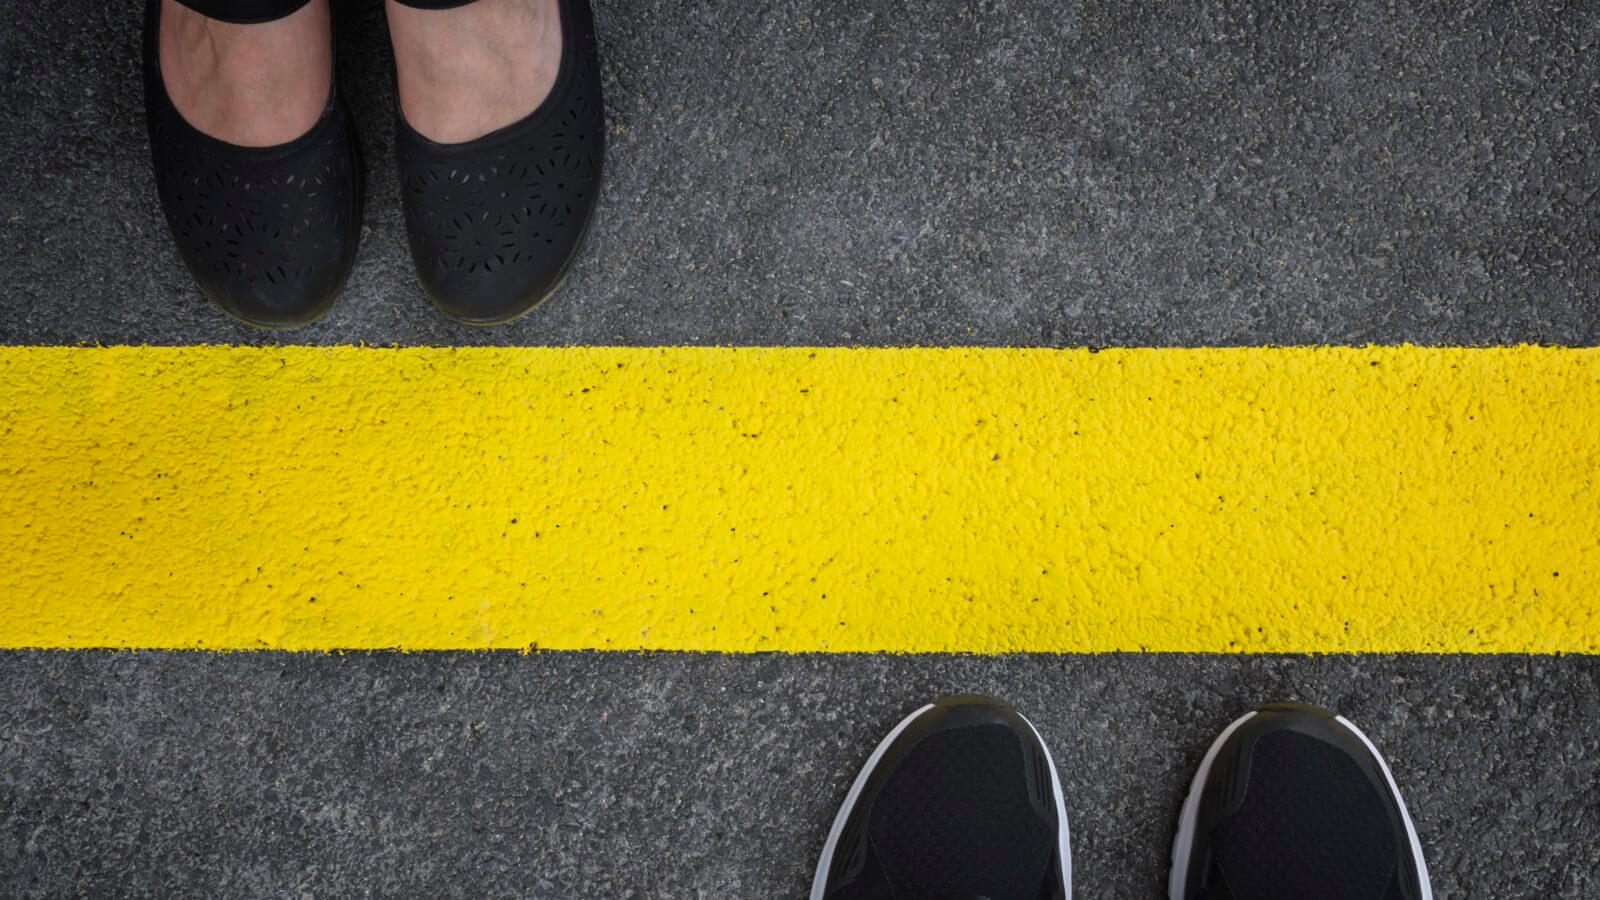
[{"x": 985, "y": 500}]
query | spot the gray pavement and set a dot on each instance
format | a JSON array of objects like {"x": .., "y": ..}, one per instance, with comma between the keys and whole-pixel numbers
[
  {"x": 688, "y": 775},
  {"x": 801, "y": 172},
  {"x": 933, "y": 172}
]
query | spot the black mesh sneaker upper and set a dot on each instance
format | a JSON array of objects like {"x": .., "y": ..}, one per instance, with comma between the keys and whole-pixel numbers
[
  {"x": 1311, "y": 825},
  {"x": 960, "y": 802},
  {"x": 955, "y": 819}
]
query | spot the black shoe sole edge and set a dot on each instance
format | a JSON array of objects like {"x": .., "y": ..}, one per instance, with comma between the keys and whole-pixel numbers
[
  {"x": 1183, "y": 842},
  {"x": 819, "y": 881}
]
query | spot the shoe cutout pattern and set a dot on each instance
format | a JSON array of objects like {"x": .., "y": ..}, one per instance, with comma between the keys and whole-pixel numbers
[{"x": 496, "y": 223}]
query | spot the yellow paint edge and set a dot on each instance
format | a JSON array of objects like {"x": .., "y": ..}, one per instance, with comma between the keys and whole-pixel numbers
[{"x": 962, "y": 499}]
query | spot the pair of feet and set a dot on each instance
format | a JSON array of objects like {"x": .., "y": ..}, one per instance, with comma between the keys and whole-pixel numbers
[
  {"x": 962, "y": 801},
  {"x": 499, "y": 138},
  {"x": 461, "y": 72}
]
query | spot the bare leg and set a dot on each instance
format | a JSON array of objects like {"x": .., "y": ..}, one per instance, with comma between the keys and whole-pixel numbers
[
  {"x": 253, "y": 85},
  {"x": 467, "y": 71}
]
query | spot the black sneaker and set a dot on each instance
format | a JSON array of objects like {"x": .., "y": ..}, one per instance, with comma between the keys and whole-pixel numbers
[
  {"x": 961, "y": 800},
  {"x": 1293, "y": 802}
]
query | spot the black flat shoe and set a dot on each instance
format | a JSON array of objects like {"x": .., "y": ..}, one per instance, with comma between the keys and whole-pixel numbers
[
  {"x": 495, "y": 223},
  {"x": 269, "y": 233}
]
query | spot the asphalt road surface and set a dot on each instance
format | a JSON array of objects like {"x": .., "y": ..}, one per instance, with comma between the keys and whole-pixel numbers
[{"x": 805, "y": 173}]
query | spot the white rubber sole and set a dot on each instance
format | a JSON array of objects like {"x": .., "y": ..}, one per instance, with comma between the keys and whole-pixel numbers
[
  {"x": 1183, "y": 844},
  {"x": 819, "y": 881},
  {"x": 1405, "y": 814}
]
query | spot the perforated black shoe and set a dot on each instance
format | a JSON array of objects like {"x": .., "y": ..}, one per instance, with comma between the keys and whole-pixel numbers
[
  {"x": 269, "y": 233},
  {"x": 1294, "y": 803},
  {"x": 495, "y": 223},
  {"x": 960, "y": 801}
]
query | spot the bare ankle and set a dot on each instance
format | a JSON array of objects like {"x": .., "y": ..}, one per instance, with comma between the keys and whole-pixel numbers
[
  {"x": 467, "y": 71},
  {"x": 253, "y": 85}
]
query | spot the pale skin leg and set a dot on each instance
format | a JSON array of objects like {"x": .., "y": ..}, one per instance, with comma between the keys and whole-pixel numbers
[
  {"x": 462, "y": 72},
  {"x": 467, "y": 71},
  {"x": 254, "y": 85}
]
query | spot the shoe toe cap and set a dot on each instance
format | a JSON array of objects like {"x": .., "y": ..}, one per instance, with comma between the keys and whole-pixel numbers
[
  {"x": 277, "y": 302},
  {"x": 487, "y": 291}
]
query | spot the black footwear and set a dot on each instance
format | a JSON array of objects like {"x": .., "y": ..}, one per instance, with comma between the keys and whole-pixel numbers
[
  {"x": 269, "y": 233},
  {"x": 496, "y": 222},
  {"x": 1293, "y": 803},
  {"x": 960, "y": 801}
]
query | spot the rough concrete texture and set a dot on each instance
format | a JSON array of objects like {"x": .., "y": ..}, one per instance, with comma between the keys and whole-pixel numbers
[
  {"x": 680, "y": 775},
  {"x": 701, "y": 498},
  {"x": 802, "y": 172},
  {"x": 930, "y": 172}
]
